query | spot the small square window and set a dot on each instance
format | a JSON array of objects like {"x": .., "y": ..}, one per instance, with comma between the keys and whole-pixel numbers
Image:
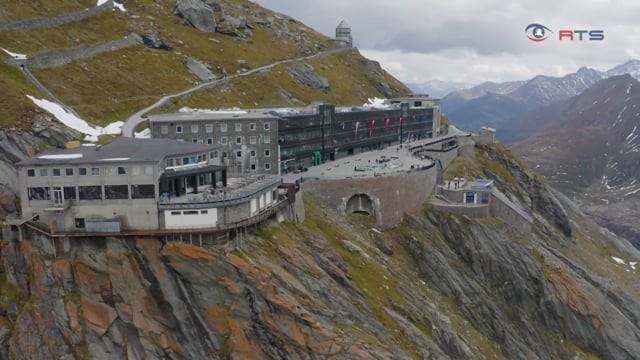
[
  {"x": 253, "y": 166},
  {"x": 238, "y": 153},
  {"x": 238, "y": 127},
  {"x": 194, "y": 140},
  {"x": 194, "y": 129},
  {"x": 56, "y": 172},
  {"x": 210, "y": 141},
  {"x": 122, "y": 170},
  {"x": 179, "y": 129},
  {"x": 252, "y": 140},
  {"x": 68, "y": 172},
  {"x": 82, "y": 171},
  {"x": 43, "y": 172},
  {"x": 208, "y": 128},
  {"x": 31, "y": 172},
  {"x": 253, "y": 153},
  {"x": 266, "y": 139},
  {"x": 224, "y": 154},
  {"x": 267, "y": 152},
  {"x": 267, "y": 166},
  {"x": 223, "y": 140},
  {"x": 267, "y": 126},
  {"x": 238, "y": 140},
  {"x": 223, "y": 127},
  {"x": 252, "y": 126},
  {"x": 95, "y": 171}
]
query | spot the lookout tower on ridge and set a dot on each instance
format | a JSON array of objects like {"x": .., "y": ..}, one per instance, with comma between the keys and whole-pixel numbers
[{"x": 343, "y": 34}]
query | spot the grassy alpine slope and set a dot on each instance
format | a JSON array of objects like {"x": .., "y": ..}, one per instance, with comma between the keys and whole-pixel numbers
[{"x": 113, "y": 85}]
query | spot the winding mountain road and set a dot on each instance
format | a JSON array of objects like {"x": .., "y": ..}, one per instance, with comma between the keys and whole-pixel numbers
[{"x": 137, "y": 118}]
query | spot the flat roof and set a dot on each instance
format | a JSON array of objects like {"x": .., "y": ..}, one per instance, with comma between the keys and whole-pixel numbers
[
  {"x": 202, "y": 115},
  {"x": 122, "y": 150}
]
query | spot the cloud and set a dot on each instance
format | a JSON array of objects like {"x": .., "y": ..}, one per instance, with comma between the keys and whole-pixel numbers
[{"x": 467, "y": 40}]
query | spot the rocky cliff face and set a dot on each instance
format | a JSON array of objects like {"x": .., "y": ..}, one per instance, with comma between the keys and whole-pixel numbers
[{"x": 439, "y": 286}]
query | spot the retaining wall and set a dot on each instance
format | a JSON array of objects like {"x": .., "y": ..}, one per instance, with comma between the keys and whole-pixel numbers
[
  {"x": 57, "y": 58},
  {"x": 392, "y": 196},
  {"x": 54, "y": 20},
  {"x": 472, "y": 211},
  {"x": 504, "y": 210}
]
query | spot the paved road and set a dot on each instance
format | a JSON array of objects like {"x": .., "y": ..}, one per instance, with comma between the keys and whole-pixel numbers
[{"x": 135, "y": 119}]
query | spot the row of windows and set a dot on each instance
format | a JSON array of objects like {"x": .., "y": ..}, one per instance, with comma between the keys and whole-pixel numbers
[
  {"x": 212, "y": 155},
  {"x": 208, "y": 128},
  {"x": 90, "y": 171},
  {"x": 189, "y": 212},
  {"x": 224, "y": 141},
  {"x": 93, "y": 192}
]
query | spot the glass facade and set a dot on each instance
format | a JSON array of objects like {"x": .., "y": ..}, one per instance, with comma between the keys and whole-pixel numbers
[{"x": 326, "y": 135}]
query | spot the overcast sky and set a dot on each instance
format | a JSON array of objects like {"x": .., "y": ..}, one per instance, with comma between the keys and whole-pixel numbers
[{"x": 474, "y": 41}]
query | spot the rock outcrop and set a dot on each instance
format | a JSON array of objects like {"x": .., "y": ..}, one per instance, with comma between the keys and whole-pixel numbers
[
  {"x": 197, "y": 14},
  {"x": 307, "y": 76},
  {"x": 202, "y": 71}
]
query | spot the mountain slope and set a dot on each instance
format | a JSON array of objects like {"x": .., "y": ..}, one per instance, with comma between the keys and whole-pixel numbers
[
  {"x": 111, "y": 85},
  {"x": 439, "y": 286},
  {"x": 590, "y": 148}
]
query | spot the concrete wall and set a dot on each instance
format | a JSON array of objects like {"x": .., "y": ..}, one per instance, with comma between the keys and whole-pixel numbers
[
  {"x": 446, "y": 157},
  {"x": 392, "y": 196},
  {"x": 502, "y": 210},
  {"x": 472, "y": 211}
]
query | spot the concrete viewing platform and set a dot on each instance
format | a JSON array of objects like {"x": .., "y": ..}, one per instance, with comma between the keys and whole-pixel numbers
[{"x": 392, "y": 160}]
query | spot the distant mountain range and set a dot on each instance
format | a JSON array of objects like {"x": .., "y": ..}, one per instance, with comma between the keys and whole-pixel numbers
[
  {"x": 589, "y": 147},
  {"x": 502, "y": 105},
  {"x": 437, "y": 88}
]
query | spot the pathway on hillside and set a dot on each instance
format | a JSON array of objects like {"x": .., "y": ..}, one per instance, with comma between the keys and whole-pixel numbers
[
  {"x": 135, "y": 119},
  {"x": 53, "y": 21}
]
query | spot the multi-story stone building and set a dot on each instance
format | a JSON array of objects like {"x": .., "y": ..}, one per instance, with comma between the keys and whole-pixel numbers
[
  {"x": 247, "y": 141},
  {"x": 140, "y": 185}
]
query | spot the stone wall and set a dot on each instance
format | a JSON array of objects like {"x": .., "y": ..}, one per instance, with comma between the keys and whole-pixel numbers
[
  {"x": 503, "y": 210},
  {"x": 472, "y": 211},
  {"x": 55, "y": 20},
  {"x": 57, "y": 58},
  {"x": 392, "y": 196}
]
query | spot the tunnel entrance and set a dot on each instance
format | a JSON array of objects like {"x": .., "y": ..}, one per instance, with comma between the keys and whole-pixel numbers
[{"x": 360, "y": 204}]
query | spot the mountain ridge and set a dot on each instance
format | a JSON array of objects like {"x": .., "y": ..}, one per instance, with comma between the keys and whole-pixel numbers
[
  {"x": 588, "y": 146},
  {"x": 521, "y": 97},
  {"x": 440, "y": 285}
]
